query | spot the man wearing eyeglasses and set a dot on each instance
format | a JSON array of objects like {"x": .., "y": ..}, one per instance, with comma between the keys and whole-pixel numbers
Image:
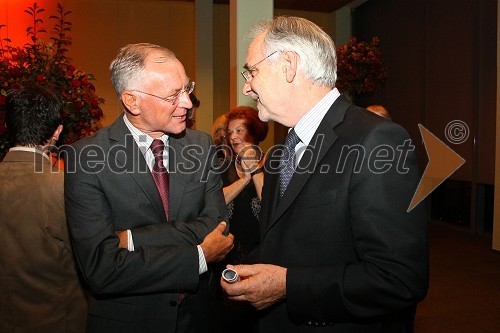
[
  {"x": 144, "y": 208},
  {"x": 339, "y": 252}
]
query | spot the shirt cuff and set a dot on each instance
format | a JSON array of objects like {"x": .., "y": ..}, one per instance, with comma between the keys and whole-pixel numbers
[
  {"x": 130, "y": 241},
  {"x": 201, "y": 259}
]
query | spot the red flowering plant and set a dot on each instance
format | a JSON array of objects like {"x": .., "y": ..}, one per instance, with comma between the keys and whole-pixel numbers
[
  {"x": 46, "y": 62},
  {"x": 360, "y": 67}
]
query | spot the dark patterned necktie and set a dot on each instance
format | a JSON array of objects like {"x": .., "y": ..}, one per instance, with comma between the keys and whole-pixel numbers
[
  {"x": 160, "y": 173},
  {"x": 287, "y": 160}
]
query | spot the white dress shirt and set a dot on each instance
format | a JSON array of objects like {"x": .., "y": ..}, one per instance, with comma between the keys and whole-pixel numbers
[
  {"x": 144, "y": 142},
  {"x": 309, "y": 123}
]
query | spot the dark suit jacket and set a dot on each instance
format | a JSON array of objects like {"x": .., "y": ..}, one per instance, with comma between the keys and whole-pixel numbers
[
  {"x": 357, "y": 261},
  {"x": 109, "y": 187},
  {"x": 39, "y": 287}
]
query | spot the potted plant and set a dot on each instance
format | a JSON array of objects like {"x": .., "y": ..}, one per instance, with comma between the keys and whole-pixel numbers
[
  {"x": 360, "y": 67},
  {"x": 46, "y": 62}
]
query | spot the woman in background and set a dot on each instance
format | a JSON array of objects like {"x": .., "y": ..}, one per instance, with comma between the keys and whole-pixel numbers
[
  {"x": 243, "y": 179},
  {"x": 237, "y": 135},
  {"x": 219, "y": 135}
]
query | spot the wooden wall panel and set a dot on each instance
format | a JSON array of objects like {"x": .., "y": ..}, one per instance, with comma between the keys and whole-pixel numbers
[
  {"x": 486, "y": 92},
  {"x": 450, "y": 73},
  {"x": 398, "y": 24},
  {"x": 441, "y": 57}
]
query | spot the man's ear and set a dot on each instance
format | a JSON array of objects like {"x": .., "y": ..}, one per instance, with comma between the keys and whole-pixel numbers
[
  {"x": 291, "y": 61},
  {"x": 57, "y": 132},
  {"x": 131, "y": 103}
]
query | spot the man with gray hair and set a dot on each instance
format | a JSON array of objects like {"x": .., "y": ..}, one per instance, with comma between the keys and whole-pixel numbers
[
  {"x": 339, "y": 252},
  {"x": 144, "y": 207}
]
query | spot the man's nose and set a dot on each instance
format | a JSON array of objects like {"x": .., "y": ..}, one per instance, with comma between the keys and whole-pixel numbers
[
  {"x": 185, "y": 100},
  {"x": 246, "y": 88}
]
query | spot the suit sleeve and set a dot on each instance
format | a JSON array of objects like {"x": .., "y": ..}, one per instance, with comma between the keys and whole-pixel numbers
[{"x": 391, "y": 270}]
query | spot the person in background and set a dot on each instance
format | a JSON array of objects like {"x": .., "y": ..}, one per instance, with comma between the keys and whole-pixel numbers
[
  {"x": 221, "y": 142},
  {"x": 379, "y": 110},
  {"x": 144, "y": 222},
  {"x": 333, "y": 256},
  {"x": 39, "y": 285},
  {"x": 243, "y": 179},
  {"x": 191, "y": 113}
]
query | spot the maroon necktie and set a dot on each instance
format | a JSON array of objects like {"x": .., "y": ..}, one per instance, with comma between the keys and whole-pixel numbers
[{"x": 160, "y": 173}]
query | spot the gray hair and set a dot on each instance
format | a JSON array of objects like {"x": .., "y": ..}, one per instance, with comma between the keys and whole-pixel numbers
[
  {"x": 315, "y": 47},
  {"x": 127, "y": 69}
]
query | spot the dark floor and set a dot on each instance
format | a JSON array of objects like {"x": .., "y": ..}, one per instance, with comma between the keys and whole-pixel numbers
[{"x": 464, "y": 293}]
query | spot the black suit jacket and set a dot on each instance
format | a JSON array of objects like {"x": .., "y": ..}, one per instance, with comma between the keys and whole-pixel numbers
[
  {"x": 357, "y": 261},
  {"x": 108, "y": 187}
]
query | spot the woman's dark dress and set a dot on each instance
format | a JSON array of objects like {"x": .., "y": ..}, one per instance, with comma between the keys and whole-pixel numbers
[{"x": 243, "y": 214}]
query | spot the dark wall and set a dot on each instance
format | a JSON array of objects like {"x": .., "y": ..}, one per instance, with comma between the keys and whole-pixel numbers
[{"x": 441, "y": 57}]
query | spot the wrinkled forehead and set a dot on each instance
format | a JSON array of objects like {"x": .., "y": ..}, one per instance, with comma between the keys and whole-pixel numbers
[
  {"x": 166, "y": 65},
  {"x": 166, "y": 68},
  {"x": 256, "y": 50},
  {"x": 235, "y": 123}
]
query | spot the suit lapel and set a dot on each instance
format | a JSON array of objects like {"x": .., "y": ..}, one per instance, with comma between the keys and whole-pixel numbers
[
  {"x": 270, "y": 190},
  {"x": 133, "y": 161},
  {"x": 321, "y": 142}
]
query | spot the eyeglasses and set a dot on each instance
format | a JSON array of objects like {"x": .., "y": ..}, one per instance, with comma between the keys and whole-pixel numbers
[
  {"x": 174, "y": 99},
  {"x": 248, "y": 73}
]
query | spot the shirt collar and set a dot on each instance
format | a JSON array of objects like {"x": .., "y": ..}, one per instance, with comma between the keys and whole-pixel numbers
[
  {"x": 309, "y": 123},
  {"x": 142, "y": 139},
  {"x": 31, "y": 150}
]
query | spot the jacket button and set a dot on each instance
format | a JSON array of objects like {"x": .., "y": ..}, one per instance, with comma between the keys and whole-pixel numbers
[{"x": 173, "y": 303}]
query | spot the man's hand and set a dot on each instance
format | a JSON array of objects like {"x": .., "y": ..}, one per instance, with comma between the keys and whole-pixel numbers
[
  {"x": 123, "y": 236},
  {"x": 260, "y": 285},
  {"x": 215, "y": 246},
  {"x": 250, "y": 158}
]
